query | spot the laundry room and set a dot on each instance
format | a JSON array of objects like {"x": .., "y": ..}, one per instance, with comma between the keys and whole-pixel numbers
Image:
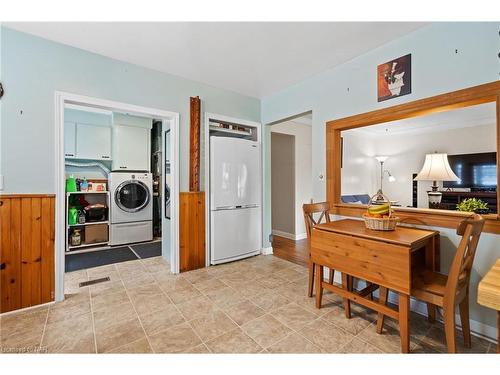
[{"x": 117, "y": 182}]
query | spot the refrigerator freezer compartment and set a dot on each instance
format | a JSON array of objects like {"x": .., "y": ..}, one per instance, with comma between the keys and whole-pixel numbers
[{"x": 235, "y": 234}]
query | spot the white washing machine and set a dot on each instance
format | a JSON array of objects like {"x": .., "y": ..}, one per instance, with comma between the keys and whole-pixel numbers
[{"x": 131, "y": 207}]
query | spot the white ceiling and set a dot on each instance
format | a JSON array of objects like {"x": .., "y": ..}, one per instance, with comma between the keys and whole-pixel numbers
[
  {"x": 253, "y": 58},
  {"x": 483, "y": 114}
]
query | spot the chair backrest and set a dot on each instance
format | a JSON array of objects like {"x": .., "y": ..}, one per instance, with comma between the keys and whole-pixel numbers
[
  {"x": 310, "y": 209},
  {"x": 457, "y": 285}
]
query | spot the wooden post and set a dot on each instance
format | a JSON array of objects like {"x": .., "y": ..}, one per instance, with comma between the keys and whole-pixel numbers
[{"x": 194, "y": 141}]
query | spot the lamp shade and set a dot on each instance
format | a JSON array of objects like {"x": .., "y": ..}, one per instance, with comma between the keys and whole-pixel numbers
[
  {"x": 381, "y": 158},
  {"x": 436, "y": 168}
]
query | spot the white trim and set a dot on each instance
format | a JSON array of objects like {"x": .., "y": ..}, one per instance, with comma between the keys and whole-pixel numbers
[
  {"x": 213, "y": 116},
  {"x": 267, "y": 250},
  {"x": 290, "y": 236},
  {"x": 478, "y": 329},
  {"x": 26, "y": 309},
  {"x": 62, "y": 98}
]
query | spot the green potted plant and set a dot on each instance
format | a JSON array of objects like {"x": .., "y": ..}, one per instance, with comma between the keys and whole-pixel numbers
[{"x": 473, "y": 205}]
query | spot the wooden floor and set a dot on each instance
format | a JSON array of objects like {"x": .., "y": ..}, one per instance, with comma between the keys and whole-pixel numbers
[{"x": 293, "y": 251}]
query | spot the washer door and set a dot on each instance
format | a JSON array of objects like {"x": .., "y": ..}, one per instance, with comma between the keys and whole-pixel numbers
[{"x": 132, "y": 196}]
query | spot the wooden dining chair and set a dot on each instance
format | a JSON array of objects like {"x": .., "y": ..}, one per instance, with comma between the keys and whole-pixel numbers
[
  {"x": 310, "y": 210},
  {"x": 439, "y": 290}
]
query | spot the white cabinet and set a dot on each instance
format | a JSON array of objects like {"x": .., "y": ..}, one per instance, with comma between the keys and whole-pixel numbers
[
  {"x": 131, "y": 148},
  {"x": 93, "y": 142},
  {"x": 69, "y": 139}
]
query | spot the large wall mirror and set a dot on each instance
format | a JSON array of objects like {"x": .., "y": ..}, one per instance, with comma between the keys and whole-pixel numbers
[
  {"x": 426, "y": 157},
  {"x": 387, "y": 158}
]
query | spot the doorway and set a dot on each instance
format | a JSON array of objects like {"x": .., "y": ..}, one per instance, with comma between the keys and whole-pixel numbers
[
  {"x": 167, "y": 167},
  {"x": 291, "y": 186}
]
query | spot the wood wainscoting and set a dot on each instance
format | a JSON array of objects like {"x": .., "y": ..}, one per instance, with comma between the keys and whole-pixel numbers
[
  {"x": 191, "y": 230},
  {"x": 27, "y": 250}
]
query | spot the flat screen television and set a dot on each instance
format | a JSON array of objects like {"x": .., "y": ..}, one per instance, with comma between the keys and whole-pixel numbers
[{"x": 476, "y": 171}]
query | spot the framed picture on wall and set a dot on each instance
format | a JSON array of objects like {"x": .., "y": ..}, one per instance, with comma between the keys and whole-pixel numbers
[{"x": 394, "y": 78}]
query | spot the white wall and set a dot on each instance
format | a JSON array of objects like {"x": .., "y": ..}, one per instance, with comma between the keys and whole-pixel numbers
[
  {"x": 406, "y": 153},
  {"x": 303, "y": 167}
]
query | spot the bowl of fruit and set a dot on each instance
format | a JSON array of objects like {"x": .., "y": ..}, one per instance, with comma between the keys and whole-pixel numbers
[{"x": 380, "y": 216}]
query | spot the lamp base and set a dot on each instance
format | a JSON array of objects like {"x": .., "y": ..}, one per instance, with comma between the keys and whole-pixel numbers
[{"x": 434, "y": 199}]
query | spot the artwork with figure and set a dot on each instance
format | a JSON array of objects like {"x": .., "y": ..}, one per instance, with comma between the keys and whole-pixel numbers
[{"x": 394, "y": 78}]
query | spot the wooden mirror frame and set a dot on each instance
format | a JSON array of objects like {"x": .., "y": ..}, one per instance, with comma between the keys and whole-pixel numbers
[{"x": 486, "y": 93}]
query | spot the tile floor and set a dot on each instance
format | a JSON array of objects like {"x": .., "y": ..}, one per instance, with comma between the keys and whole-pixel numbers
[{"x": 258, "y": 305}]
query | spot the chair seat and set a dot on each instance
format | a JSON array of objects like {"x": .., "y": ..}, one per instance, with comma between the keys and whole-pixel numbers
[{"x": 429, "y": 286}]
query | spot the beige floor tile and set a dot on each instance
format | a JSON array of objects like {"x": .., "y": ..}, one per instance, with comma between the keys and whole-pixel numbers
[
  {"x": 294, "y": 316},
  {"x": 325, "y": 335},
  {"x": 357, "y": 346},
  {"x": 271, "y": 281},
  {"x": 235, "y": 341},
  {"x": 198, "y": 277},
  {"x": 142, "y": 291},
  {"x": 118, "y": 334},
  {"x": 183, "y": 295},
  {"x": 147, "y": 304},
  {"x": 266, "y": 330},
  {"x": 270, "y": 300},
  {"x": 161, "y": 320},
  {"x": 108, "y": 300},
  {"x": 21, "y": 342},
  {"x": 212, "y": 325},
  {"x": 172, "y": 283},
  {"x": 196, "y": 308},
  {"x": 210, "y": 285},
  {"x": 68, "y": 309},
  {"x": 358, "y": 322},
  {"x": 130, "y": 267},
  {"x": 140, "y": 346},
  {"x": 244, "y": 312},
  {"x": 143, "y": 278},
  {"x": 436, "y": 339},
  {"x": 106, "y": 288},
  {"x": 388, "y": 341},
  {"x": 27, "y": 323},
  {"x": 294, "y": 343},
  {"x": 200, "y": 349},
  {"x": 290, "y": 274},
  {"x": 70, "y": 336},
  {"x": 176, "y": 339},
  {"x": 103, "y": 271},
  {"x": 112, "y": 314},
  {"x": 224, "y": 297}
]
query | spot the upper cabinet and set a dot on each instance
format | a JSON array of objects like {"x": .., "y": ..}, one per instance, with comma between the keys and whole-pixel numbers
[
  {"x": 87, "y": 135},
  {"x": 93, "y": 142},
  {"x": 131, "y": 143}
]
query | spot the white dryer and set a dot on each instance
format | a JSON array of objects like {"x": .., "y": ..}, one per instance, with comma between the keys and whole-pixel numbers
[{"x": 131, "y": 208}]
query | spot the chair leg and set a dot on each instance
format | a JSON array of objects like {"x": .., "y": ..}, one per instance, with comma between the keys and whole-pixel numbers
[
  {"x": 449, "y": 328},
  {"x": 383, "y": 292},
  {"x": 330, "y": 276},
  {"x": 431, "y": 313},
  {"x": 347, "y": 302},
  {"x": 464, "y": 319},
  {"x": 311, "y": 278},
  {"x": 319, "y": 285}
]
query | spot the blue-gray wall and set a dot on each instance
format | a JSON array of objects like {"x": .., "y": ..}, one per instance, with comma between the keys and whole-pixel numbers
[
  {"x": 33, "y": 68},
  {"x": 352, "y": 89}
]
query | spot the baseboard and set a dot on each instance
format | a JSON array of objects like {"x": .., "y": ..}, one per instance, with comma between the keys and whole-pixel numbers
[
  {"x": 290, "y": 236},
  {"x": 477, "y": 329},
  {"x": 267, "y": 250}
]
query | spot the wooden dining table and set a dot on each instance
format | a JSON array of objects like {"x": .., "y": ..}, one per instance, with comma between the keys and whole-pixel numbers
[
  {"x": 488, "y": 294},
  {"x": 381, "y": 258}
]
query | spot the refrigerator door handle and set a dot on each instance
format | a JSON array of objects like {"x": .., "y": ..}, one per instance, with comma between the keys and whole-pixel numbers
[{"x": 222, "y": 208}]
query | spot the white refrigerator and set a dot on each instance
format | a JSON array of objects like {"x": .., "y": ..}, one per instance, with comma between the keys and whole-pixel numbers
[{"x": 235, "y": 199}]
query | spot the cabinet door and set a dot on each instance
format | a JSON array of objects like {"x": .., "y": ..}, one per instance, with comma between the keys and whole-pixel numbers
[
  {"x": 69, "y": 139},
  {"x": 93, "y": 142},
  {"x": 131, "y": 149}
]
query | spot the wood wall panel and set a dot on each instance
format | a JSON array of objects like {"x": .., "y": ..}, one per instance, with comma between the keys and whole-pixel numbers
[
  {"x": 194, "y": 143},
  {"x": 192, "y": 230},
  {"x": 27, "y": 250}
]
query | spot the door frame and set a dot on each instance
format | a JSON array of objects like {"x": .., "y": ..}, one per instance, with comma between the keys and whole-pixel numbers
[
  {"x": 61, "y": 99},
  {"x": 206, "y": 128}
]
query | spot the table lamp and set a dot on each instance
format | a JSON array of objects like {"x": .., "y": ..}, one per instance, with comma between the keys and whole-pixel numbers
[{"x": 436, "y": 168}]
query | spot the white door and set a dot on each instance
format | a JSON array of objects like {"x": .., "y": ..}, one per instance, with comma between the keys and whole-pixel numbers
[
  {"x": 131, "y": 148},
  {"x": 234, "y": 172},
  {"x": 93, "y": 142},
  {"x": 69, "y": 139}
]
